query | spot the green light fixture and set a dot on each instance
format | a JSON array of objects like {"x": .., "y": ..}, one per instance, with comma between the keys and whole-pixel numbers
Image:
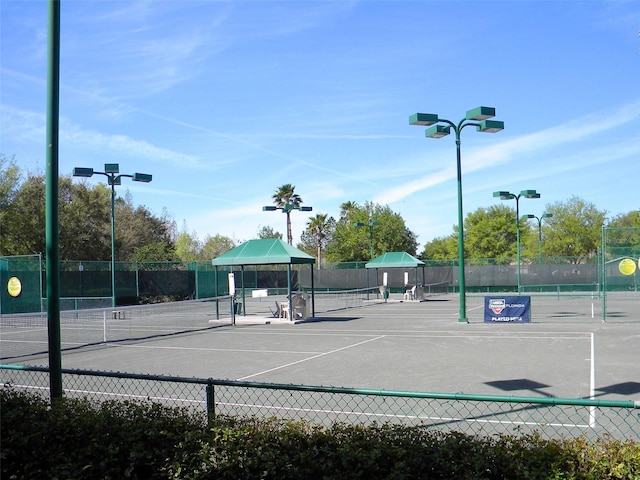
[
  {"x": 287, "y": 208},
  {"x": 371, "y": 224},
  {"x": 539, "y": 220},
  {"x": 504, "y": 195},
  {"x": 441, "y": 127},
  {"x": 114, "y": 177}
]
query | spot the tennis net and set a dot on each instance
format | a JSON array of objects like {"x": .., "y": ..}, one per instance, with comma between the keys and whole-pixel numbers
[
  {"x": 437, "y": 288},
  {"x": 329, "y": 300},
  {"x": 24, "y": 335}
]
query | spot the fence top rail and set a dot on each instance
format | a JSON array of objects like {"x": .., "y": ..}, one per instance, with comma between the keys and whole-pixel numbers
[{"x": 629, "y": 404}]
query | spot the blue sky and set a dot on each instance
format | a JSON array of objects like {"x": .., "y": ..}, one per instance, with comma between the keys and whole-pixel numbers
[{"x": 225, "y": 101}]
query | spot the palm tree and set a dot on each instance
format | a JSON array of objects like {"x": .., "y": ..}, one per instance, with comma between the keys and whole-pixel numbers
[
  {"x": 286, "y": 199},
  {"x": 320, "y": 227},
  {"x": 348, "y": 208}
]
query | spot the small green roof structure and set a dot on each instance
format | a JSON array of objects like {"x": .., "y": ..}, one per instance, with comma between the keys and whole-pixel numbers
[
  {"x": 395, "y": 260},
  {"x": 268, "y": 251}
]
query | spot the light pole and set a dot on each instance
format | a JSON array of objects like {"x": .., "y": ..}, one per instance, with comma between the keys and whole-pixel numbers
[
  {"x": 539, "y": 219},
  {"x": 511, "y": 196},
  {"x": 371, "y": 224},
  {"x": 287, "y": 210},
  {"x": 479, "y": 118},
  {"x": 114, "y": 177}
]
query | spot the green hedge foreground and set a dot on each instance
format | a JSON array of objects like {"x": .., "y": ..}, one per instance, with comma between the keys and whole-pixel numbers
[{"x": 78, "y": 439}]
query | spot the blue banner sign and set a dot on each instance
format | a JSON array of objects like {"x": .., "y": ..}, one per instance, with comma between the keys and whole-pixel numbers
[{"x": 507, "y": 309}]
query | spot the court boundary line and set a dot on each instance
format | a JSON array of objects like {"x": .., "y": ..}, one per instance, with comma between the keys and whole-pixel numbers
[
  {"x": 325, "y": 411},
  {"x": 312, "y": 358}
]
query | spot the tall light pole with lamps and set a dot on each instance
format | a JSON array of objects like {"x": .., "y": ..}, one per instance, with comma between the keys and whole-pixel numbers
[
  {"x": 286, "y": 209},
  {"x": 114, "y": 177},
  {"x": 479, "y": 118},
  {"x": 371, "y": 224},
  {"x": 539, "y": 219},
  {"x": 511, "y": 196}
]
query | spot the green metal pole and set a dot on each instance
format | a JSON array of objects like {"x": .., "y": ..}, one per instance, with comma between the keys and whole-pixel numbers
[
  {"x": 52, "y": 204},
  {"x": 367, "y": 275},
  {"x": 215, "y": 290},
  {"x": 604, "y": 274},
  {"x": 313, "y": 296},
  {"x": 289, "y": 296},
  {"x": 244, "y": 305},
  {"x": 540, "y": 241},
  {"x": 371, "y": 240},
  {"x": 113, "y": 240},
  {"x": 518, "y": 239},
  {"x": 461, "y": 281},
  {"x": 138, "y": 281}
]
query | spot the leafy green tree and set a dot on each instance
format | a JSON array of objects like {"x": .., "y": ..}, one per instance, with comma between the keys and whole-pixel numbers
[
  {"x": 491, "y": 233},
  {"x": 215, "y": 246},
  {"x": 441, "y": 248},
  {"x": 187, "y": 247},
  {"x": 10, "y": 178},
  {"x": 317, "y": 235},
  {"x": 9, "y": 181},
  {"x": 85, "y": 221},
  {"x": 84, "y": 218},
  {"x": 85, "y": 214},
  {"x": 574, "y": 230},
  {"x": 627, "y": 220},
  {"x": 136, "y": 226},
  {"x": 24, "y": 222},
  {"x": 286, "y": 198},
  {"x": 352, "y": 244},
  {"x": 623, "y": 235},
  {"x": 153, "y": 252},
  {"x": 268, "y": 232}
]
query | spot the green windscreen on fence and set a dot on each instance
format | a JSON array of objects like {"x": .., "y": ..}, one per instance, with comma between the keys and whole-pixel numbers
[
  {"x": 621, "y": 256},
  {"x": 620, "y": 271},
  {"x": 20, "y": 277},
  {"x": 87, "y": 284}
]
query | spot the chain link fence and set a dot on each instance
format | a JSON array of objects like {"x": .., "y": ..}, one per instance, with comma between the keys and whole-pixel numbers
[{"x": 480, "y": 415}]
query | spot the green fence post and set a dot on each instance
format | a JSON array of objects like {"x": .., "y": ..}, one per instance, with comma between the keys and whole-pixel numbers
[{"x": 211, "y": 403}]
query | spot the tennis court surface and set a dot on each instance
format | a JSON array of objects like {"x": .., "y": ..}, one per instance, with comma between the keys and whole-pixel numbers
[{"x": 567, "y": 351}]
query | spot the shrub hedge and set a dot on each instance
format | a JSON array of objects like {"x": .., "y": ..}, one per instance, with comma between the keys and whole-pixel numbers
[{"x": 78, "y": 439}]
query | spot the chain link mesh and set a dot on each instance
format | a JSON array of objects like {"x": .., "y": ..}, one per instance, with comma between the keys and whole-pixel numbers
[{"x": 471, "y": 414}]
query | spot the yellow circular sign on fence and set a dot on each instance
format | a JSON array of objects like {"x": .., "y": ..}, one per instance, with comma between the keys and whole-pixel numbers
[
  {"x": 627, "y": 266},
  {"x": 14, "y": 286}
]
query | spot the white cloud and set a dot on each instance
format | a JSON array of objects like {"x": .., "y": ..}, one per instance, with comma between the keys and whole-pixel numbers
[{"x": 546, "y": 139}]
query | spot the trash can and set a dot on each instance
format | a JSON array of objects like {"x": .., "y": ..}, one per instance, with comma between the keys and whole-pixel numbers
[
  {"x": 384, "y": 291},
  {"x": 237, "y": 307},
  {"x": 300, "y": 306}
]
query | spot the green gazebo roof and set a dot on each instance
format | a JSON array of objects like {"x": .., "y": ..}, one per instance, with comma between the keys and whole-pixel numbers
[
  {"x": 269, "y": 251},
  {"x": 395, "y": 260}
]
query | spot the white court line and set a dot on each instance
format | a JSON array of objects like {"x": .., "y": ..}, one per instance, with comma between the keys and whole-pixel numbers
[
  {"x": 207, "y": 349},
  {"x": 416, "y": 333},
  {"x": 325, "y": 411},
  {"x": 311, "y": 358}
]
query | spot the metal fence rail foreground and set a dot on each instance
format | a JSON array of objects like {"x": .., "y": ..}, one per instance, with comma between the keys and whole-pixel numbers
[{"x": 481, "y": 415}]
